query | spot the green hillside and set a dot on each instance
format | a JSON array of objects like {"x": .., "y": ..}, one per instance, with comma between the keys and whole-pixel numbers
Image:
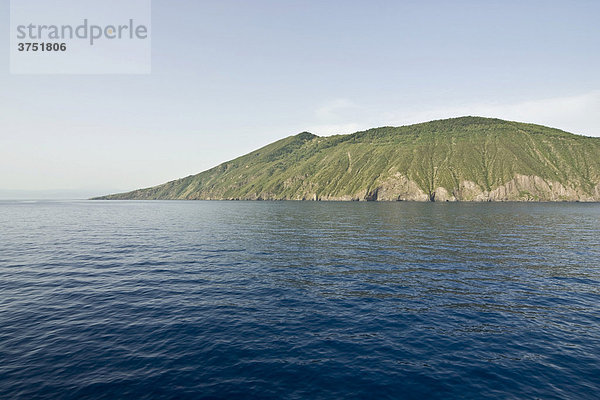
[{"x": 465, "y": 159}]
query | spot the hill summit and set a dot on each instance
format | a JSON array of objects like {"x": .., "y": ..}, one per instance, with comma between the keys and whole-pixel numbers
[{"x": 458, "y": 159}]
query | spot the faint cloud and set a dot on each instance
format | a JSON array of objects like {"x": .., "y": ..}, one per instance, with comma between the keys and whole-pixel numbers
[
  {"x": 336, "y": 109},
  {"x": 577, "y": 114},
  {"x": 338, "y": 116},
  {"x": 335, "y": 129}
]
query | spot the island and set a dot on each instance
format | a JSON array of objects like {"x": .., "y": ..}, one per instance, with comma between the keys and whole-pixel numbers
[{"x": 458, "y": 159}]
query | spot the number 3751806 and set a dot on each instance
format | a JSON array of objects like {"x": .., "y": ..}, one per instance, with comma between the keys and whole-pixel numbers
[{"x": 42, "y": 46}]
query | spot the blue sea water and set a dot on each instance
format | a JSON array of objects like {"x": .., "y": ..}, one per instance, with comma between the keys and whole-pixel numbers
[{"x": 299, "y": 300}]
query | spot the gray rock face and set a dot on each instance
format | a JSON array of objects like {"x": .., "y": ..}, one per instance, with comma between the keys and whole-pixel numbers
[
  {"x": 400, "y": 188},
  {"x": 534, "y": 188},
  {"x": 520, "y": 188}
]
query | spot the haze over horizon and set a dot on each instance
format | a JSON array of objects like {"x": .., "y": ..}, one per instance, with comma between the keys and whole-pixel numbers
[{"x": 230, "y": 77}]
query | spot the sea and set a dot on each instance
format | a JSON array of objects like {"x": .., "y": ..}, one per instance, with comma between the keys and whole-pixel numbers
[{"x": 299, "y": 300}]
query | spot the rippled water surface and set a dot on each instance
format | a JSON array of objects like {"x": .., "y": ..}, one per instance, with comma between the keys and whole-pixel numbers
[{"x": 299, "y": 300}]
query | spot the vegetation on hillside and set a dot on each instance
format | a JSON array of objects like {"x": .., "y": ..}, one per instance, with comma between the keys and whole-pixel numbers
[{"x": 467, "y": 158}]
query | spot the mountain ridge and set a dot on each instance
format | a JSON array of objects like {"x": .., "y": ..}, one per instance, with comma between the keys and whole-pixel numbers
[{"x": 457, "y": 159}]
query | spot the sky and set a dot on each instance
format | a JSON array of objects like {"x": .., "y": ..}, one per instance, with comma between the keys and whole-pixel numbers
[{"x": 231, "y": 76}]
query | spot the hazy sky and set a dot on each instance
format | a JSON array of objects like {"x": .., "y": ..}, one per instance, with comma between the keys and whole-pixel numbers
[{"x": 231, "y": 76}]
